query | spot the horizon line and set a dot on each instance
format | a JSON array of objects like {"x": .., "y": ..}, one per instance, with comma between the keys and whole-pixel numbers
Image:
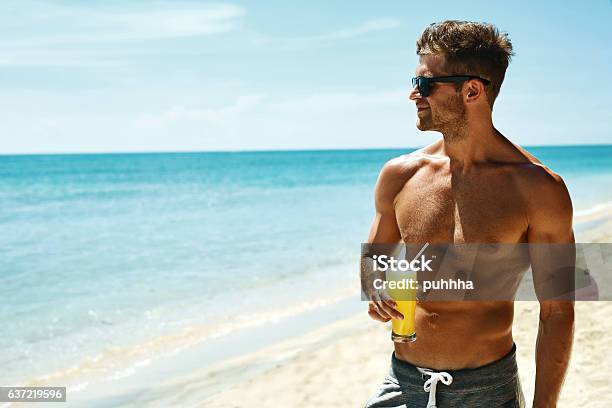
[{"x": 135, "y": 152}]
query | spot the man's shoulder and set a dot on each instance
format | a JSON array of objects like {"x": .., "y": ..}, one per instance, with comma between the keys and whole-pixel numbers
[
  {"x": 405, "y": 165},
  {"x": 544, "y": 190},
  {"x": 530, "y": 172},
  {"x": 534, "y": 176},
  {"x": 395, "y": 174}
]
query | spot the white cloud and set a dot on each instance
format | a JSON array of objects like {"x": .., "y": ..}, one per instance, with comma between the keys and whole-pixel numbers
[
  {"x": 315, "y": 104},
  {"x": 338, "y": 35},
  {"x": 334, "y": 102},
  {"x": 44, "y": 24},
  {"x": 218, "y": 116},
  {"x": 248, "y": 121},
  {"x": 365, "y": 28}
]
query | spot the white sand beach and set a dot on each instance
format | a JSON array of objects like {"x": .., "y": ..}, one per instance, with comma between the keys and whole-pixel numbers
[{"x": 342, "y": 364}]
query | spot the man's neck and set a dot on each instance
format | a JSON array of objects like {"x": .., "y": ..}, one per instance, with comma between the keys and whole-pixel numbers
[{"x": 474, "y": 143}]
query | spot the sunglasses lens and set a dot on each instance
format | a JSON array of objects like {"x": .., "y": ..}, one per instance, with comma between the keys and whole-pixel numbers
[{"x": 423, "y": 85}]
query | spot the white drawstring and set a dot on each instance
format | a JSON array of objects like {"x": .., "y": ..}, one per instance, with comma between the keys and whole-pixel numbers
[{"x": 431, "y": 384}]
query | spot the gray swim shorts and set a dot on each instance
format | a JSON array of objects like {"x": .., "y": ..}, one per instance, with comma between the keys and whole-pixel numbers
[{"x": 493, "y": 385}]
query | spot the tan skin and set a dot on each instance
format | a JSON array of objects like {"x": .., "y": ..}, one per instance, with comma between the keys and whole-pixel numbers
[{"x": 473, "y": 185}]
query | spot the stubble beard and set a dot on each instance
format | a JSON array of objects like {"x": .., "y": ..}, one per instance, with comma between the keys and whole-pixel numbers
[{"x": 449, "y": 119}]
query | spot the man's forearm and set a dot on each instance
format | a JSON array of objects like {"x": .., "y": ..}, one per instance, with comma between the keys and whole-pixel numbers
[
  {"x": 367, "y": 273},
  {"x": 553, "y": 350}
]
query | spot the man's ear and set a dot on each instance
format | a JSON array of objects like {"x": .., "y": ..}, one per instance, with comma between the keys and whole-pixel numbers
[{"x": 473, "y": 90}]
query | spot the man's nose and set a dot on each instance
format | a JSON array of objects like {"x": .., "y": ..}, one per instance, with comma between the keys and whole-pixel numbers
[{"x": 414, "y": 94}]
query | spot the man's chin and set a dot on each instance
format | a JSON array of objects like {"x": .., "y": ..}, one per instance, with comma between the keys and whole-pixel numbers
[{"x": 422, "y": 125}]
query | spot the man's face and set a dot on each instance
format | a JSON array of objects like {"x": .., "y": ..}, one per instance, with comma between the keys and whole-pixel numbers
[{"x": 443, "y": 110}]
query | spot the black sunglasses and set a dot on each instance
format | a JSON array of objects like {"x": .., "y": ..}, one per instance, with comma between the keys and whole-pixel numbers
[{"x": 422, "y": 82}]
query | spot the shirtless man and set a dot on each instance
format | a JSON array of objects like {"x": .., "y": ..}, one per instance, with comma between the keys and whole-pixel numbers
[{"x": 471, "y": 186}]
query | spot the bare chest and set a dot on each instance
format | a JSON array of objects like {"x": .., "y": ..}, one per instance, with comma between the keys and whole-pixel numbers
[{"x": 447, "y": 209}]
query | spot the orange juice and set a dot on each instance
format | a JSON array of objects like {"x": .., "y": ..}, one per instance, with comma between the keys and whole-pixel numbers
[{"x": 403, "y": 330}]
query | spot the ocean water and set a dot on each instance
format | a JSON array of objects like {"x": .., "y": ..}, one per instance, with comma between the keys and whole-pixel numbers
[{"x": 109, "y": 261}]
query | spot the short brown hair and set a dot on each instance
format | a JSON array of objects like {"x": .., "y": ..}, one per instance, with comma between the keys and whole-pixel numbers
[{"x": 469, "y": 49}]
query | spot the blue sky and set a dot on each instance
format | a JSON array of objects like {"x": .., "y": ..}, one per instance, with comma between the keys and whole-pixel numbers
[{"x": 105, "y": 76}]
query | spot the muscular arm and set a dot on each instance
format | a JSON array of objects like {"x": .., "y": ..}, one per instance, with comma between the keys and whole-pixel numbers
[
  {"x": 384, "y": 230},
  {"x": 550, "y": 221}
]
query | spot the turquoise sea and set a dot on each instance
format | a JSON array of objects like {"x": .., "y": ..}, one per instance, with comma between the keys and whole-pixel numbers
[{"x": 110, "y": 261}]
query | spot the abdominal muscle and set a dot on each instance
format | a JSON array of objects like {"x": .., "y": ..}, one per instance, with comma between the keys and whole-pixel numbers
[{"x": 457, "y": 335}]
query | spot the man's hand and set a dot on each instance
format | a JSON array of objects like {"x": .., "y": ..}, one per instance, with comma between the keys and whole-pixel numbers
[{"x": 383, "y": 308}]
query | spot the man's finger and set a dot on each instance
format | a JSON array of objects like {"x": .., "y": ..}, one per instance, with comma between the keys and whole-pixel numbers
[
  {"x": 373, "y": 312},
  {"x": 390, "y": 305},
  {"x": 380, "y": 310},
  {"x": 389, "y": 310},
  {"x": 374, "y": 309},
  {"x": 384, "y": 296},
  {"x": 378, "y": 317}
]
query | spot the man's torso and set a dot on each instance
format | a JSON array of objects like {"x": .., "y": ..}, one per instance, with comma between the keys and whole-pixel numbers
[{"x": 482, "y": 205}]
